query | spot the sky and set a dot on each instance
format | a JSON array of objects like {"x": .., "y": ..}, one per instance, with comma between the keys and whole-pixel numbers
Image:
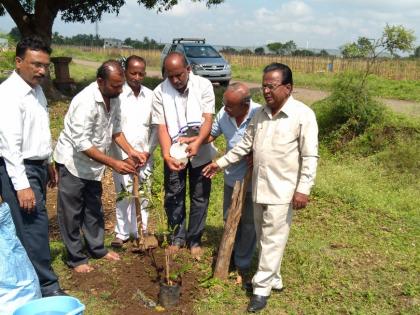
[{"x": 251, "y": 23}]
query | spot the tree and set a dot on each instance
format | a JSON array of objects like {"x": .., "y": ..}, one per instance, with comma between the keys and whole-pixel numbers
[
  {"x": 282, "y": 49},
  {"x": 259, "y": 51},
  {"x": 394, "y": 38},
  {"x": 228, "y": 50},
  {"x": 245, "y": 51},
  {"x": 14, "y": 34},
  {"x": 416, "y": 52},
  {"x": 275, "y": 47},
  {"x": 36, "y": 17},
  {"x": 360, "y": 49},
  {"x": 303, "y": 52},
  {"x": 323, "y": 53}
]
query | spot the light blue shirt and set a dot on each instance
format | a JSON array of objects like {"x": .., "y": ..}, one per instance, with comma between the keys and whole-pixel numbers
[{"x": 226, "y": 125}]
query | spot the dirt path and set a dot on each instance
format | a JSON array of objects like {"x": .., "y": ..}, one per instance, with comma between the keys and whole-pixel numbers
[{"x": 305, "y": 95}]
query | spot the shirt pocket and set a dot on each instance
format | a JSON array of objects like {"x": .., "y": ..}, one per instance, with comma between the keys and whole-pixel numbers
[{"x": 286, "y": 132}]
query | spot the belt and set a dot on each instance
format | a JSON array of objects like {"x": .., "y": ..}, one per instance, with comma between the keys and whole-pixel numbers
[
  {"x": 35, "y": 162},
  {"x": 28, "y": 162}
]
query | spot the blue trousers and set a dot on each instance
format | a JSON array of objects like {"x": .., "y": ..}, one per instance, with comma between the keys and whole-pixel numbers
[
  {"x": 32, "y": 228},
  {"x": 175, "y": 193}
]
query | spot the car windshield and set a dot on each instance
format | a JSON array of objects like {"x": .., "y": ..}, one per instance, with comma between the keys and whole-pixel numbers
[{"x": 201, "y": 52}]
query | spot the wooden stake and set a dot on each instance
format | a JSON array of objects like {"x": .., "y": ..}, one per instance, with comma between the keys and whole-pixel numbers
[{"x": 234, "y": 215}]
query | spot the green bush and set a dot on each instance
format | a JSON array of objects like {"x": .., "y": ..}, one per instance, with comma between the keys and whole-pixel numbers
[
  {"x": 348, "y": 112},
  {"x": 7, "y": 60}
]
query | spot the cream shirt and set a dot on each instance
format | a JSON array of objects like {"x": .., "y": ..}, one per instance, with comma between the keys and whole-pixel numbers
[
  {"x": 87, "y": 124},
  {"x": 24, "y": 127},
  {"x": 285, "y": 150}
]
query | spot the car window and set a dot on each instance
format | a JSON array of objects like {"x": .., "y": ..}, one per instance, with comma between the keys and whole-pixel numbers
[
  {"x": 201, "y": 52},
  {"x": 179, "y": 49}
]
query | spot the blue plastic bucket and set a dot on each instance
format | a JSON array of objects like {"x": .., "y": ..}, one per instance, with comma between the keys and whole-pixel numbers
[{"x": 54, "y": 305}]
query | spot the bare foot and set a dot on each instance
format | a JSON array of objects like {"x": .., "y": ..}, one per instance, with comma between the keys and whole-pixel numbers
[
  {"x": 112, "y": 256},
  {"x": 173, "y": 249},
  {"x": 83, "y": 268},
  {"x": 196, "y": 252},
  {"x": 239, "y": 279}
]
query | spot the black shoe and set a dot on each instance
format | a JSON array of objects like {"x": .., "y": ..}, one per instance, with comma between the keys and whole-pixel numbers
[
  {"x": 58, "y": 292},
  {"x": 257, "y": 303}
]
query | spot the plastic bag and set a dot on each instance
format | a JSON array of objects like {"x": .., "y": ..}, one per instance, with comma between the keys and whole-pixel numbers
[{"x": 18, "y": 280}]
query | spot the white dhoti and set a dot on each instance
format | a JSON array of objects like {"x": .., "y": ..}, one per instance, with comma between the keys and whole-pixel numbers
[{"x": 126, "y": 224}]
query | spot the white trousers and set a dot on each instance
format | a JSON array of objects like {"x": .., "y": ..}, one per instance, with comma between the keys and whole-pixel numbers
[
  {"x": 125, "y": 211},
  {"x": 272, "y": 225}
]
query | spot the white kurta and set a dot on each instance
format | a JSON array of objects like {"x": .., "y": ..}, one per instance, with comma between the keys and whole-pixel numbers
[{"x": 136, "y": 126}]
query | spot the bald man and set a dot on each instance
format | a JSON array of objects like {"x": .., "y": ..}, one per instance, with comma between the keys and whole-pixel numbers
[
  {"x": 91, "y": 123},
  {"x": 183, "y": 106},
  {"x": 231, "y": 122}
]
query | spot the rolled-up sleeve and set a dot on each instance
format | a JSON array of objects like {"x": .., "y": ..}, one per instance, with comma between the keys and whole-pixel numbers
[
  {"x": 82, "y": 123},
  {"x": 241, "y": 149},
  {"x": 308, "y": 145},
  {"x": 11, "y": 133}
]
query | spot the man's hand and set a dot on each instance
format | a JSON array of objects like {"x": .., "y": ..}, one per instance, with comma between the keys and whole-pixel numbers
[
  {"x": 26, "y": 199},
  {"x": 123, "y": 167},
  {"x": 193, "y": 148},
  {"x": 139, "y": 158},
  {"x": 52, "y": 176},
  {"x": 173, "y": 164},
  {"x": 187, "y": 140},
  {"x": 299, "y": 200},
  {"x": 210, "y": 170}
]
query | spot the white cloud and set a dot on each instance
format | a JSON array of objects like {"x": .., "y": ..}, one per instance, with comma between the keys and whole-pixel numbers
[{"x": 185, "y": 8}]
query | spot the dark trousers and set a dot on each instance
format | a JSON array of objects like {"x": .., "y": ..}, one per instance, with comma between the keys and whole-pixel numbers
[
  {"x": 175, "y": 192},
  {"x": 79, "y": 207},
  {"x": 32, "y": 228}
]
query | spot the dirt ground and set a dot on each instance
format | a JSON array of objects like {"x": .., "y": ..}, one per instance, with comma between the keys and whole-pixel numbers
[{"x": 124, "y": 283}]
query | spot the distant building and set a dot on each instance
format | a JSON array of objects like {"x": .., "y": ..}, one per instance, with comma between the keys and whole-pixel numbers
[
  {"x": 112, "y": 43},
  {"x": 4, "y": 44}
]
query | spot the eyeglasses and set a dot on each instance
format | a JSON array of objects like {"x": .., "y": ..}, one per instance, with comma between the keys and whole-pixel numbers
[{"x": 270, "y": 87}]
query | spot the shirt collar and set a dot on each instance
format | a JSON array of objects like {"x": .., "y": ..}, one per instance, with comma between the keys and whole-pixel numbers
[
  {"x": 287, "y": 108},
  {"x": 97, "y": 93},
  {"x": 21, "y": 85},
  {"x": 128, "y": 91}
]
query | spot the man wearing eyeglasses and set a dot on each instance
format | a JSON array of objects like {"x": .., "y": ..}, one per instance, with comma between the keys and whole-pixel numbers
[
  {"x": 232, "y": 121},
  {"x": 26, "y": 156},
  {"x": 283, "y": 137}
]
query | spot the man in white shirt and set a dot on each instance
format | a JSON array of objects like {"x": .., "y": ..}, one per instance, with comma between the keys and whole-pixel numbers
[
  {"x": 25, "y": 156},
  {"x": 136, "y": 115},
  {"x": 283, "y": 137},
  {"x": 183, "y": 106},
  {"x": 91, "y": 123},
  {"x": 231, "y": 122}
]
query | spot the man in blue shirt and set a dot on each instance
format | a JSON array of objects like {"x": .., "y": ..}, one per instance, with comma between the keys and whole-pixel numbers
[{"x": 232, "y": 121}]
